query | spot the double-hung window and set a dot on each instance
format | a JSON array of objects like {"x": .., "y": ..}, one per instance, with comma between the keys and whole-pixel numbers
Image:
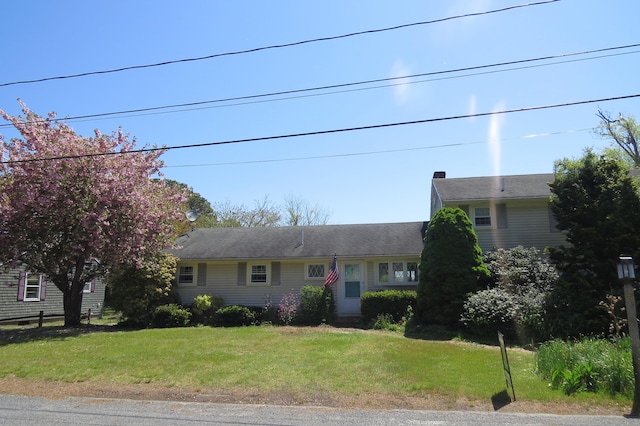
[
  {"x": 259, "y": 274},
  {"x": 32, "y": 287},
  {"x": 185, "y": 275},
  {"x": 482, "y": 217}
]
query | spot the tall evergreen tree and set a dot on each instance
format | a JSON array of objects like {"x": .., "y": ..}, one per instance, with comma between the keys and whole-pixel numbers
[
  {"x": 596, "y": 204},
  {"x": 450, "y": 266}
]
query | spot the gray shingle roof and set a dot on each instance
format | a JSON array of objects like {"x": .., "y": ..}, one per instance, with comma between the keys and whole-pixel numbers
[
  {"x": 384, "y": 239},
  {"x": 494, "y": 187}
]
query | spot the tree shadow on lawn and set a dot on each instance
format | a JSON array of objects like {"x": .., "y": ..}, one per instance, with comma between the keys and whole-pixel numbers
[{"x": 10, "y": 336}]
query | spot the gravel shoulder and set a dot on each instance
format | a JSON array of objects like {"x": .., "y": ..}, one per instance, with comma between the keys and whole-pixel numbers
[{"x": 154, "y": 392}]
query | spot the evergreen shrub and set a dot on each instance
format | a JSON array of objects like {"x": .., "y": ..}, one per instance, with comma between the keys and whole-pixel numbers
[
  {"x": 171, "y": 315},
  {"x": 386, "y": 302}
]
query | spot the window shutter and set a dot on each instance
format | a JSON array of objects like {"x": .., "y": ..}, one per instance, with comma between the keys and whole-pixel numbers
[
  {"x": 202, "y": 274},
  {"x": 22, "y": 280},
  {"x": 92, "y": 286},
  {"x": 242, "y": 273},
  {"x": 501, "y": 215},
  {"x": 275, "y": 273},
  {"x": 43, "y": 288},
  {"x": 465, "y": 208}
]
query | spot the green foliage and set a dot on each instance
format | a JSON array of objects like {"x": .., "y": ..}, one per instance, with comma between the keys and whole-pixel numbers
[
  {"x": 204, "y": 307},
  {"x": 171, "y": 315},
  {"x": 450, "y": 267},
  {"x": 587, "y": 365},
  {"x": 316, "y": 305},
  {"x": 390, "y": 302},
  {"x": 514, "y": 302},
  {"x": 234, "y": 316},
  {"x": 595, "y": 203},
  {"x": 137, "y": 292}
]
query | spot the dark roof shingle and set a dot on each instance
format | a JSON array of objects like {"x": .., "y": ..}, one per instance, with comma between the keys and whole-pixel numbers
[
  {"x": 321, "y": 241},
  {"x": 494, "y": 187}
]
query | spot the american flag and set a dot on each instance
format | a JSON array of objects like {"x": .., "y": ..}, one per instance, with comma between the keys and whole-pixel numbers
[{"x": 333, "y": 274}]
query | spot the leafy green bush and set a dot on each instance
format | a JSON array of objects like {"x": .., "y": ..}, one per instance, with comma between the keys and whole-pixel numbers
[
  {"x": 204, "y": 307},
  {"x": 171, "y": 315},
  {"x": 391, "y": 302},
  {"x": 489, "y": 311},
  {"x": 137, "y": 292},
  {"x": 587, "y": 365},
  {"x": 316, "y": 305},
  {"x": 234, "y": 316},
  {"x": 518, "y": 286}
]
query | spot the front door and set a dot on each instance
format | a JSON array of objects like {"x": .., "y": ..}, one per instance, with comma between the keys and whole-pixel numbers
[{"x": 350, "y": 289}]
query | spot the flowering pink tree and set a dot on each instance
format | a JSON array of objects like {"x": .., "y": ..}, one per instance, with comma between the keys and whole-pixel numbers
[{"x": 72, "y": 207}]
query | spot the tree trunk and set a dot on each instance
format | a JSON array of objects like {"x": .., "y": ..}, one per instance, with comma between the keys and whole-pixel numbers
[{"x": 72, "y": 307}]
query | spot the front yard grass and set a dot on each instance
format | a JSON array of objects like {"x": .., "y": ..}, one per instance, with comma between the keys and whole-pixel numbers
[{"x": 300, "y": 361}]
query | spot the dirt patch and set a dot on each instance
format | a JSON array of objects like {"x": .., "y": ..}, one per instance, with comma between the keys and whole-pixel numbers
[{"x": 59, "y": 390}]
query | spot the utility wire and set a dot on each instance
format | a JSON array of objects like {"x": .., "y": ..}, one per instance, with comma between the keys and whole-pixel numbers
[
  {"x": 277, "y": 46},
  {"x": 385, "y": 151},
  {"x": 323, "y": 132},
  {"x": 358, "y": 83}
]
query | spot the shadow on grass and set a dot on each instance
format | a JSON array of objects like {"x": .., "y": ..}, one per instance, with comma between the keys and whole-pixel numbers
[
  {"x": 9, "y": 336},
  {"x": 500, "y": 400}
]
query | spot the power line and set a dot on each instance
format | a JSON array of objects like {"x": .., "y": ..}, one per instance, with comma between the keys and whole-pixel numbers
[
  {"x": 324, "y": 132},
  {"x": 359, "y": 83},
  {"x": 385, "y": 151},
  {"x": 277, "y": 46}
]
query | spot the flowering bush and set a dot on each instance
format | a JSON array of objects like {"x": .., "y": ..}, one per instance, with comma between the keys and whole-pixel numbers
[{"x": 288, "y": 308}]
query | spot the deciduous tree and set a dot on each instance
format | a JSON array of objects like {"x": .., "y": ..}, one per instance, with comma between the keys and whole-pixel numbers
[
  {"x": 624, "y": 132},
  {"x": 68, "y": 199}
]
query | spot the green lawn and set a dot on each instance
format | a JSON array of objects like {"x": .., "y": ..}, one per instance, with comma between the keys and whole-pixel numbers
[{"x": 278, "y": 359}]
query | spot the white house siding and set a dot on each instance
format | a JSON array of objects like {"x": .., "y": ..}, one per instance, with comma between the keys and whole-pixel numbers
[
  {"x": 528, "y": 224},
  {"x": 222, "y": 280}
]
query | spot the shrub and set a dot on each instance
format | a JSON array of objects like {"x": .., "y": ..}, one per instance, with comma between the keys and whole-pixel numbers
[
  {"x": 316, "y": 305},
  {"x": 450, "y": 266},
  {"x": 137, "y": 292},
  {"x": 204, "y": 307},
  {"x": 289, "y": 308},
  {"x": 391, "y": 302},
  {"x": 171, "y": 315},
  {"x": 519, "y": 284},
  {"x": 587, "y": 365},
  {"x": 234, "y": 316},
  {"x": 489, "y": 311}
]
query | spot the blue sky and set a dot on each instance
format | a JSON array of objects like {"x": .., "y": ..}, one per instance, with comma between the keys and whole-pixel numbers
[{"x": 368, "y": 176}]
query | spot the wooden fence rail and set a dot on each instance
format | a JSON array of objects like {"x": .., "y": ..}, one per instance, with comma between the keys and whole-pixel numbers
[{"x": 41, "y": 316}]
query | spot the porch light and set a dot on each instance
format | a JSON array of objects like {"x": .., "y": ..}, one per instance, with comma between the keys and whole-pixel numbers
[{"x": 626, "y": 268}]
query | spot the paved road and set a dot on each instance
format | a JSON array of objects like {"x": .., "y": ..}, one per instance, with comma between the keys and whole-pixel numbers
[{"x": 20, "y": 410}]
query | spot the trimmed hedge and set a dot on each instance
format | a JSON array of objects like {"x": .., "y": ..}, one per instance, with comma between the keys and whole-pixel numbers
[
  {"x": 390, "y": 302},
  {"x": 234, "y": 316},
  {"x": 172, "y": 315}
]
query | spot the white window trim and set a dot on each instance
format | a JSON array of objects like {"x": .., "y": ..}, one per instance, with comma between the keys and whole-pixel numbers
[
  {"x": 27, "y": 286},
  {"x": 267, "y": 271},
  {"x": 306, "y": 271},
  {"x": 194, "y": 268},
  {"x": 391, "y": 281},
  {"x": 492, "y": 217}
]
